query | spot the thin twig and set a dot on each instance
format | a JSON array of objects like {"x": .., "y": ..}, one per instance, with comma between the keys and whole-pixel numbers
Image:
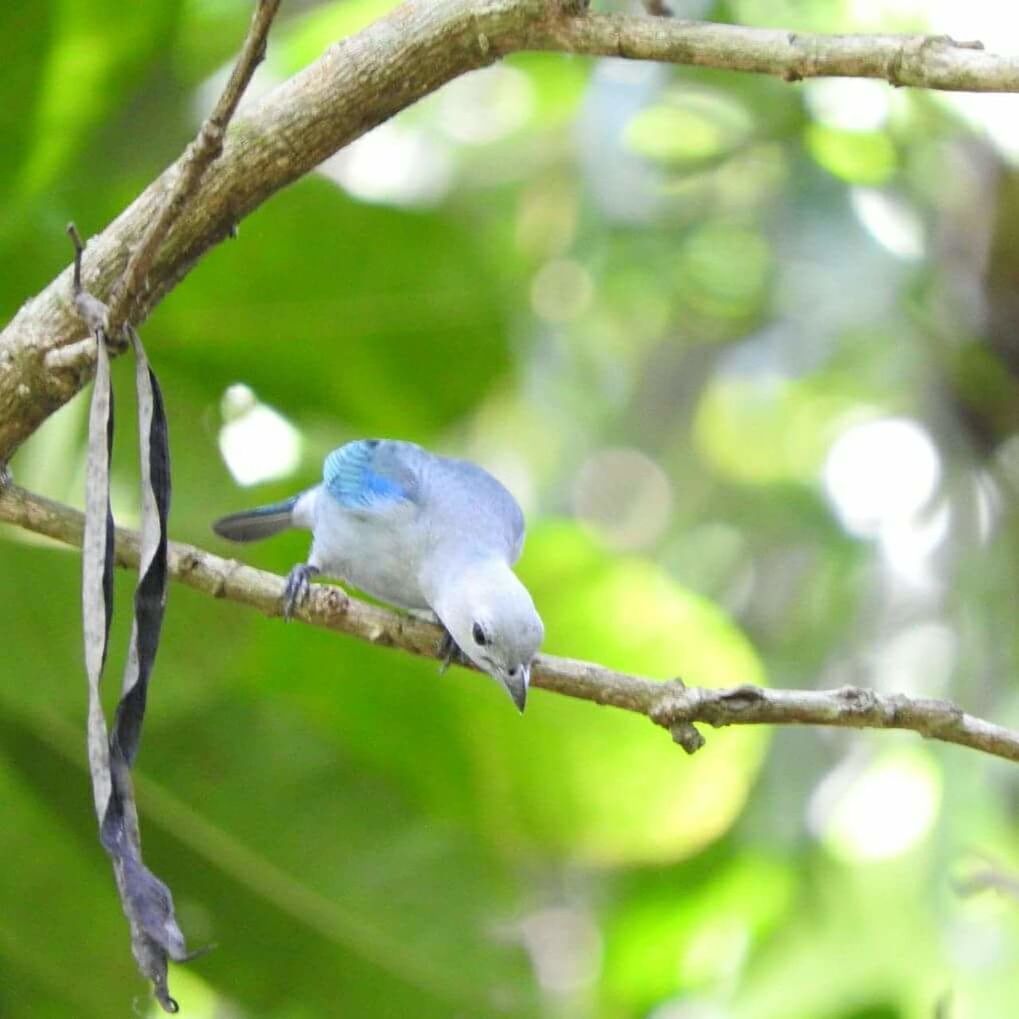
[
  {"x": 923, "y": 61},
  {"x": 79, "y": 248},
  {"x": 366, "y": 79},
  {"x": 988, "y": 875},
  {"x": 200, "y": 155},
  {"x": 668, "y": 704},
  {"x": 93, "y": 312}
]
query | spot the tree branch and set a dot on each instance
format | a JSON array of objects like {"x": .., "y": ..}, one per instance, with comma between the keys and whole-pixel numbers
[
  {"x": 668, "y": 704},
  {"x": 361, "y": 82},
  {"x": 988, "y": 875},
  {"x": 922, "y": 61},
  {"x": 200, "y": 155}
]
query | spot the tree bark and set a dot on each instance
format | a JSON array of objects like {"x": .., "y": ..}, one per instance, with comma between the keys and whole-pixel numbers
[
  {"x": 668, "y": 704},
  {"x": 45, "y": 356}
]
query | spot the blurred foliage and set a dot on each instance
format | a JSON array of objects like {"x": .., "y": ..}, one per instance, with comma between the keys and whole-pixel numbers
[{"x": 746, "y": 352}]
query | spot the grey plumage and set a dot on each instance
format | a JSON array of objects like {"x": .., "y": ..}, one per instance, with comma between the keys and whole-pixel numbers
[
  {"x": 255, "y": 524},
  {"x": 424, "y": 532}
]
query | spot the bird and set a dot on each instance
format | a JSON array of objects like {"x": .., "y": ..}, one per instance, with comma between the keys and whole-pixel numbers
[{"x": 429, "y": 534}]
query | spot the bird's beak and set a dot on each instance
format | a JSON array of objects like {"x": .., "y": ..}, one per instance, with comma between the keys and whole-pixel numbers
[{"x": 516, "y": 687}]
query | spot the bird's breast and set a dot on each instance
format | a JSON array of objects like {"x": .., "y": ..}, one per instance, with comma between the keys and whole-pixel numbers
[{"x": 379, "y": 553}]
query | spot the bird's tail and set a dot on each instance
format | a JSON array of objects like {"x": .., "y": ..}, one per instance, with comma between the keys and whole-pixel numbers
[{"x": 261, "y": 522}]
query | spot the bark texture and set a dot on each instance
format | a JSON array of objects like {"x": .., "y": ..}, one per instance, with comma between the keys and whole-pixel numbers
[
  {"x": 667, "y": 703},
  {"x": 45, "y": 357}
]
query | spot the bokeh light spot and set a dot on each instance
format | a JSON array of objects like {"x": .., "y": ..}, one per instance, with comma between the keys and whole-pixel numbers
[
  {"x": 881, "y": 472},
  {"x": 849, "y": 104},
  {"x": 257, "y": 442},
  {"x": 894, "y": 225},
  {"x": 561, "y": 290},
  {"x": 395, "y": 164},
  {"x": 625, "y": 496},
  {"x": 860, "y": 157},
  {"x": 879, "y": 812},
  {"x": 724, "y": 269},
  {"x": 565, "y": 947},
  {"x": 487, "y": 105}
]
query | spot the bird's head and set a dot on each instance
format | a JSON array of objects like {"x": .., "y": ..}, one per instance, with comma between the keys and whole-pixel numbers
[{"x": 492, "y": 618}]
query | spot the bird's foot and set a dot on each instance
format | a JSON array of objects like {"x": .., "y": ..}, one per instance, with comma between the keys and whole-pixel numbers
[
  {"x": 295, "y": 594},
  {"x": 450, "y": 653}
]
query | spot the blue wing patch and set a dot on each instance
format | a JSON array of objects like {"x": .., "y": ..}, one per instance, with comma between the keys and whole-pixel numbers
[{"x": 355, "y": 478}]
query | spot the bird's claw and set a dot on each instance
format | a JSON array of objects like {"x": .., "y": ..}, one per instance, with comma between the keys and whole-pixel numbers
[
  {"x": 449, "y": 653},
  {"x": 295, "y": 594}
]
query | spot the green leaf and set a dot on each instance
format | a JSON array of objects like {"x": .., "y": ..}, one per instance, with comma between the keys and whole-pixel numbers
[
  {"x": 307, "y": 37},
  {"x": 760, "y": 430},
  {"x": 322, "y": 865},
  {"x": 691, "y": 926},
  {"x": 32, "y": 25},
  {"x": 603, "y": 785},
  {"x": 388, "y": 321},
  {"x": 97, "y": 49},
  {"x": 859, "y": 157},
  {"x": 723, "y": 271},
  {"x": 689, "y": 127}
]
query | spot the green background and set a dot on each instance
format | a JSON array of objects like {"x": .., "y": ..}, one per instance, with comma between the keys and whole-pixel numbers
[{"x": 713, "y": 330}]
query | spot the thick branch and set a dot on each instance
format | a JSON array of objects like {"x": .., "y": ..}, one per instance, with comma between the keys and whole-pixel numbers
[
  {"x": 668, "y": 704},
  {"x": 360, "y": 82}
]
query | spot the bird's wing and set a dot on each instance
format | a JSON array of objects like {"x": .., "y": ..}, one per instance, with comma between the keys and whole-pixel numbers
[
  {"x": 369, "y": 475},
  {"x": 485, "y": 512},
  {"x": 515, "y": 528}
]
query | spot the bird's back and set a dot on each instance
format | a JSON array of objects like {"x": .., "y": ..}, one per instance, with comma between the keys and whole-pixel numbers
[
  {"x": 468, "y": 506},
  {"x": 388, "y": 509}
]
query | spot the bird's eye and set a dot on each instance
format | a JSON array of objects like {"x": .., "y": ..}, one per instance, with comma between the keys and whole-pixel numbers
[
  {"x": 513, "y": 672},
  {"x": 480, "y": 637}
]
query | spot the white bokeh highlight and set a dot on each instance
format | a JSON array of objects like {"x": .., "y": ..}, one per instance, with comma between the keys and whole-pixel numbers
[
  {"x": 917, "y": 660},
  {"x": 257, "y": 442},
  {"x": 395, "y": 164},
  {"x": 849, "y": 104},
  {"x": 879, "y": 811},
  {"x": 486, "y": 106},
  {"x": 890, "y": 221},
  {"x": 565, "y": 947},
  {"x": 880, "y": 473}
]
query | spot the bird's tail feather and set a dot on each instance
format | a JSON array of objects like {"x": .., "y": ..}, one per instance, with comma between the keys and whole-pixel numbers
[{"x": 254, "y": 524}]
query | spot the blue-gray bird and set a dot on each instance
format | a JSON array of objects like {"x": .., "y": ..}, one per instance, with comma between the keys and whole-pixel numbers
[{"x": 428, "y": 533}]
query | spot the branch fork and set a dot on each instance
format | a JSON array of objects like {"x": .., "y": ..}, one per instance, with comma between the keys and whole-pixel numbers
[{"x": 407, "y": 54}]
